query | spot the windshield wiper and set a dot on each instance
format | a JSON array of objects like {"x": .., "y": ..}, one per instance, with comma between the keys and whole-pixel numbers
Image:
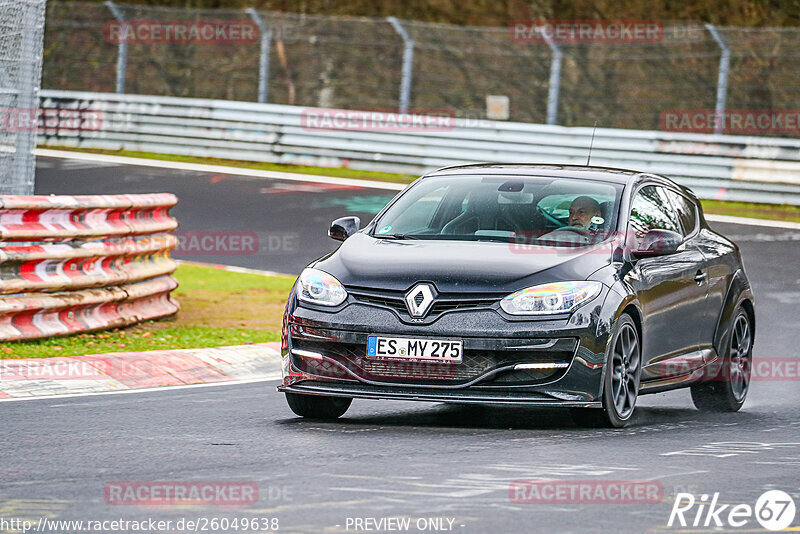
[{"x": 395, "y": 236}]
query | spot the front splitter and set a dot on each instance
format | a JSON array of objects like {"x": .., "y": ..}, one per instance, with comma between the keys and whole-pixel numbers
[{"x": 361, "y": 391}]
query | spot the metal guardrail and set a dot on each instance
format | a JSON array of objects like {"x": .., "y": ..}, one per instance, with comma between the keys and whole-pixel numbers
[
  {"x": 725, "y": 167},
  {"x": 79, "y": 263}
]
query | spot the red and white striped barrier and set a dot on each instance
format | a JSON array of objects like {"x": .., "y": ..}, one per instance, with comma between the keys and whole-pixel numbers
[
  {"x": 56, "y": 218},
  {"x": 78, "y": 263}
]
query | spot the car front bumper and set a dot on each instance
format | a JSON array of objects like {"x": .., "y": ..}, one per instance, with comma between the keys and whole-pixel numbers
[{"x": 556, "y": 361}]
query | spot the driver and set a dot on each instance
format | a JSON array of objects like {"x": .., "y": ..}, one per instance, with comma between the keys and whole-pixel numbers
[{"x": 581, "y": 212}]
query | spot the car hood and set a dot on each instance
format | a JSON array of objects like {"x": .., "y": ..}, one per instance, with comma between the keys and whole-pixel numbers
[{"x": 457, "y": 266}]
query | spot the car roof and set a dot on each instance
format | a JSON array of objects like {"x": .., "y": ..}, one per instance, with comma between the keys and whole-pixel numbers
[{"x": 581, "y": 172}]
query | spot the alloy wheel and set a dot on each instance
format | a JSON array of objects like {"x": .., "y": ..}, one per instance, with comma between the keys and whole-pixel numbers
[
  {"x": 740, "y": 360},
  {"x": 625, "y": 364}
]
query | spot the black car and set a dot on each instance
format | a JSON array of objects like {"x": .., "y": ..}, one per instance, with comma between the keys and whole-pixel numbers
[{"x": 539, "y": 285}]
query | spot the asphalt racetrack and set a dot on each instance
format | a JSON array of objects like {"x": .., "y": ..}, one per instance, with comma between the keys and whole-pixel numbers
[{"x": 388, "y": 459}]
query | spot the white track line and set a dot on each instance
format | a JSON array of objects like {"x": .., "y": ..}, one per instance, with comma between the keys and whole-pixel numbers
[
  {"x": 265, "y": 378},
  {"x": 218, "y": 169},
  {"x": 275, "y": 175}
]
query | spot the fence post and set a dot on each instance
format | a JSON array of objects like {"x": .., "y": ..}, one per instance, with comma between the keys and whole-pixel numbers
[
  {"x": 408, "y": 59},
  {"x": 263, "y": 58},
  {"x": 555, "y": 78},
  {"x": 722, "y": 79},
  {"x": 122, "y": 47},
  {"x": 22, "y": 37}
]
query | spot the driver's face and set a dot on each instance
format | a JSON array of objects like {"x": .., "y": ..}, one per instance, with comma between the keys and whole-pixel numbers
[{"x": 580, "y": 214}]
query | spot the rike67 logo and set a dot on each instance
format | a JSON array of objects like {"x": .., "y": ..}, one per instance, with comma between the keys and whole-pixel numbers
[{"x": 774, "y": 510}]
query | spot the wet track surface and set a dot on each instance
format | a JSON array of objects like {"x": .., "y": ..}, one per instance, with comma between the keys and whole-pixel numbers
[{"x": 390, "y": 459}]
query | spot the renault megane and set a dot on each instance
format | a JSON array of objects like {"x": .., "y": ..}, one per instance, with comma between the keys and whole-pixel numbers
[{"x": 539, "y": 285}]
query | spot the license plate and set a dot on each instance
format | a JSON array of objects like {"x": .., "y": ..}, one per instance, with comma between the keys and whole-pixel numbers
[{"x": 442, "y": 350}]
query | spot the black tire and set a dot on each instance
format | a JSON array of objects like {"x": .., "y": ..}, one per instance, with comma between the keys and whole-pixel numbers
[
  {"x": 318, "y": 406},
  {"x": 725, "y": 386},
  {"x": 621, "y": 380}
]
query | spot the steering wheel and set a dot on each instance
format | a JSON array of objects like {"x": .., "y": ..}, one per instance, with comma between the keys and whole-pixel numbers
[
  {"x": 549, "y": 217},
  {"x": 576, "y": 229}
]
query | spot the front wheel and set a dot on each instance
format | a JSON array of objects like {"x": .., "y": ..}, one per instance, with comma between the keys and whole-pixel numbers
[
  {"x": 318, "y": 406},
  {"x": 726, "y": 390},
  {"x": 621, "y": 383}
]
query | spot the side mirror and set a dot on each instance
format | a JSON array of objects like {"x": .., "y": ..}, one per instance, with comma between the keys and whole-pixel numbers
[
  {"x": 658, "y": 243},
  {"x": 343, "y": 228}
]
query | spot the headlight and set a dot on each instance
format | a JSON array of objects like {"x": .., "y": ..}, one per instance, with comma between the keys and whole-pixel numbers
[
  {"x": 548, "y": 299},
  {"x": 320, "y": 288}
]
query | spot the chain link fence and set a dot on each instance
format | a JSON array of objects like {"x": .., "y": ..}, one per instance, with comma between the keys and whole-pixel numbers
[
  {"x": 21, "y": 31},
  {"x": 360, "y": 63}
]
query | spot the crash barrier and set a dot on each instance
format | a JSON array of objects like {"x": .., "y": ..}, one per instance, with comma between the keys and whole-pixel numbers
[
  {"x": 725, "y": 167},
  {"x": 78, "y": 263}
]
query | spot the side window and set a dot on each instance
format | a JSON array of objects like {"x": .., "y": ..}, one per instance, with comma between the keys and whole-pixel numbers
[
  {"x": 687, "y": 211},
  {"x": 651, "y": 210}
]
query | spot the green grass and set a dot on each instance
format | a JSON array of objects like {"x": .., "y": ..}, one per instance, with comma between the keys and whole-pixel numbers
[
  {"x": 738, "y": 209},
  {"x": 756, "y": 211},
  {"x": 148, "y": 336},
  {"x": 218, "y": 308}
]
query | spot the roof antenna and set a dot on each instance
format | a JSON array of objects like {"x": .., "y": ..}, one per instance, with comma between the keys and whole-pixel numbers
[{"x": 591, "y": 144}]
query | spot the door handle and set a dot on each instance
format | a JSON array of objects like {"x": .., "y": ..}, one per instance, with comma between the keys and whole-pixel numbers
[{"x": 700, "y": 277}]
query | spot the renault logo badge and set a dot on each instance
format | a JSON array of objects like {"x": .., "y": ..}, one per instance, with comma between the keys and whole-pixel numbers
[{"x": 419, "y": 300}]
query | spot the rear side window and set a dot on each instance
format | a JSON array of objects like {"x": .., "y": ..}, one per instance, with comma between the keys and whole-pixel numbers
[
  {"x": 652, "y": 210},
  {"x": 686, "y": 211}
]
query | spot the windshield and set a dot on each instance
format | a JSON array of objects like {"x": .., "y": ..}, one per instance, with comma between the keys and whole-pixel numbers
[{"x": 520, "y": 209}]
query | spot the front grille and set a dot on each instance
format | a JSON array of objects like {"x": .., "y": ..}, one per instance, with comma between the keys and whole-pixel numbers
[
  {"x": 398, "y": 369},
  {"x": 460, "y": 304},
  {"x": 444, "y": 302},
  {"x": 397, "y": 304}
]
